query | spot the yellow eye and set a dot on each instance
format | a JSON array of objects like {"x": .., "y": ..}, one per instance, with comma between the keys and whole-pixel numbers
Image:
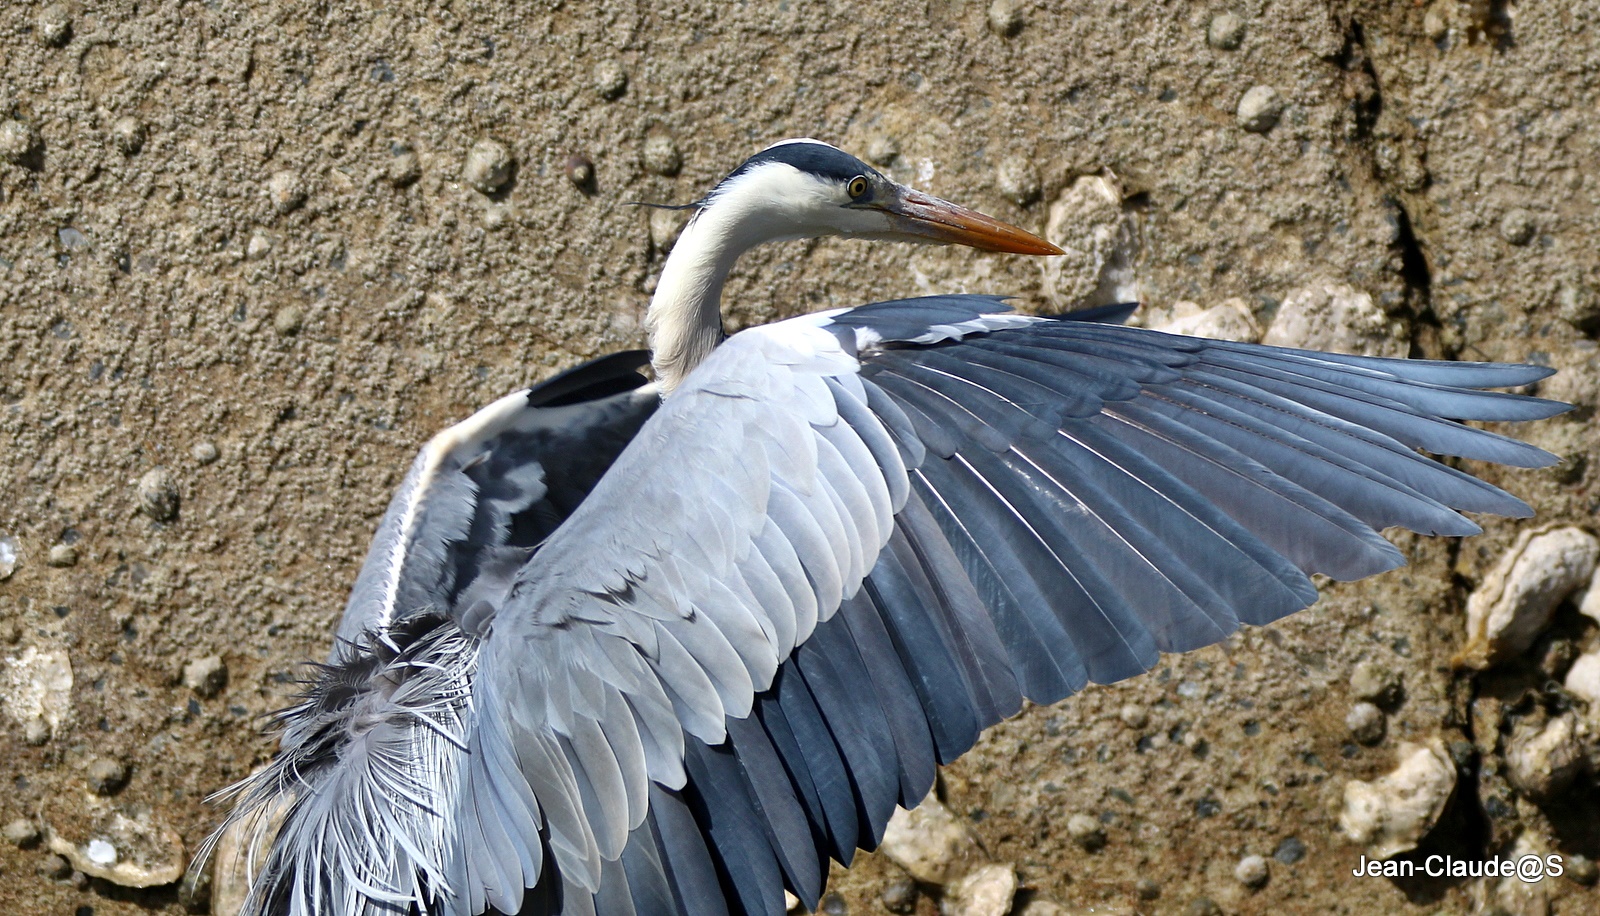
[{"x": 857, "y": 187}]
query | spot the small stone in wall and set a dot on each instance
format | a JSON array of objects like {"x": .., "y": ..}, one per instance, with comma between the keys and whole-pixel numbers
[
  {"x": 1259, "y": 109},
  {"x": 1225, "y": 31}
]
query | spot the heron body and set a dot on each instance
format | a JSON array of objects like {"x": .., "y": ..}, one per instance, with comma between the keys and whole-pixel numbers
[{"x": 667, "y": 648}]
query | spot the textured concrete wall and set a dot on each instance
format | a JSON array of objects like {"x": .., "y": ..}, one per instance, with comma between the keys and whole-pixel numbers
[{"x": 244, "y": 273}]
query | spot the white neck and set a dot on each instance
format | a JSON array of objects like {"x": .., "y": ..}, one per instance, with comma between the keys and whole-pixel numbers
[
  {"x": 768, "y": 203},
  {"x": 685, "y": 316}
]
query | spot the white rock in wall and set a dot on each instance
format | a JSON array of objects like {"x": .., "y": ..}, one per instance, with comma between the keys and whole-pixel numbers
[
  {"x": 930, "y": 843},
  {"x": 1391, "y": 814},
  {"x": 1516, "y": 599},
  {"x": 131, "y": 851},
  {"x": 1544, "y": 758},
  {"x": 36, "y": 689},
  {"x": 1583, "y": 680},
  {"x": 1328, "y": 315},
  {"x": 985, "y": 891},
  {"x": 1101, "y": 244},
  {"x": 1230, "y": 319}
]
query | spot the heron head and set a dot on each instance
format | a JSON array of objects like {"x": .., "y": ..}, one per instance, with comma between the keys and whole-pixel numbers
[{"x": 806, "y": 188}]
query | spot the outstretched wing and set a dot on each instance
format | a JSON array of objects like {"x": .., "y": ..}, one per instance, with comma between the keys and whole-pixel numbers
[
  {"x": 376, "y": 739},
  {"x": 851, "y": 541}
]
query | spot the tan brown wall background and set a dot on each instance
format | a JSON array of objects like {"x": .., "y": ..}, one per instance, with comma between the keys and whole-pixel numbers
[{"x": 240, "y": 267}]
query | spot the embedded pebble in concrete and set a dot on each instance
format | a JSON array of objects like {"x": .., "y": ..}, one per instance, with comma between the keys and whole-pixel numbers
[
  {"x": 206, "y": 676},
  {"x": 1290, "y": 850},
  {"x": 1328, "y": 314},
  {"x": 1517, "y": 896},
  {"x": 610, "y": 80},
  {"x": 1133, "y": 715},
  {"x": 288, "y": 320},
  {"x": 1230, "y": 319},
  {"x": 22, "y": 833},
  {"x": 488, "y": 166},
  {"x": 1259, "y": 109},
  {"x": 1147, "y": 888},
  {"x": 63, "y": 555},
  {"x": 930, "y": 843},
  {"x": 404, "y": 167},
  {"x": 1579, "y": 306},
  {"x": 72, "y": 238},
  {"x": 1392, "y": 813},
  {"x": 204, "y": 452},
  {"x": 286, "y": 191},
  {"x": 985, "y": 891},
  {"x": 55, "y": 867},
  {"x": 158, "y": 495},
  {"x": 259, "y": 245},
  {"x": 1018, "y": 180},
  {"x": 1515, "y": 601},
  {"x": 129, "y": 851},
  {"x": 1583, "y": 680},
  {"x": 18, "y": 142},
  {"x": 1581, "y": 869},
  {"x": 665, "y": 227},
  {"x": 1005, "y": 18},
  {"x": 128, "y": 133},
  {"x": 1542, "y": 759},
  {"x": 1086, "y": 832},
  {"x": 1517, "y": 226},
  {"x": 580, "y": 171},
  {"x": 236, "y": 856},
  {"x": 36, "y": 691},
  {"x": 8, "y": 556},
  {"x": 1101, "y": 243},
  {"x": 900, "y": 896},
  {"x": 1435, "y": 25},
  {"x": 106, "y": 776},
  {"x": 1252, "y": 872},
  {"x": 54, "y": 25},
  {"x": 661, "y": 155},
  {"x": 831, "y": 904},
  {"x": 1225, "y": 31},
  {"x": 1376, "y": 683},
  {"x": 1366, "y": 723},
  {"x": 882, "y": 150}
]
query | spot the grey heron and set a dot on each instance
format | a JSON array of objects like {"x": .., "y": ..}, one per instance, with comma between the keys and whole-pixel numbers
[{"x": 623, "y": 647}]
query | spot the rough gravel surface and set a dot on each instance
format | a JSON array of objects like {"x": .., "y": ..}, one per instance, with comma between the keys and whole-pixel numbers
[{"x": 249, "y": 261}]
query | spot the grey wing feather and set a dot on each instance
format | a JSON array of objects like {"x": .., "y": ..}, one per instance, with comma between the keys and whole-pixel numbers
[
  {"x": 381, "y": 735},
  {"x": 1101, "y": 494},
  {"x": 502, "y": 478}
]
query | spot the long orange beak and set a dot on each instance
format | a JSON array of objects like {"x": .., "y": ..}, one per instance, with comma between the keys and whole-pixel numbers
[{"x": 952, "y": 224}]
